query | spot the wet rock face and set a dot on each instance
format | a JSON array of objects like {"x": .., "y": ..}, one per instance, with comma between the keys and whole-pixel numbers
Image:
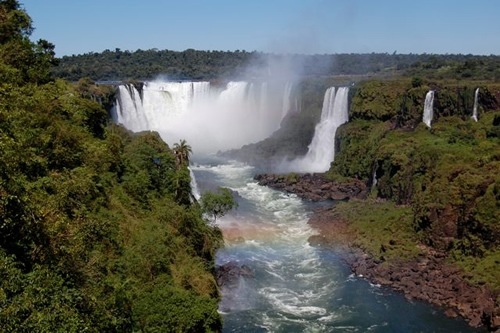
[
  {"x": 228, "y": 275},
  {"x": 314, "y": 187}
]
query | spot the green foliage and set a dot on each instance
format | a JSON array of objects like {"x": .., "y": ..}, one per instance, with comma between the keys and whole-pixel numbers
[
  {"x": 198, "y": 64},
  {"x": 97, "y": 230},
  {"x": 416, "y": 82},
  {"x": 447, "y": 175},
  {"x": 170, "y": 309},
  {"x": 482, "y": 269},
  {"x": 21, "y": 60},
  {"x": 356, "y": 145},
  {"x": 182, "y": 152},
  {"x": 377, "y": 99},
  {"x": 15, "y": 22},
  {"x": 217, "y": 204},
  {"x": 382, "y": 229}
]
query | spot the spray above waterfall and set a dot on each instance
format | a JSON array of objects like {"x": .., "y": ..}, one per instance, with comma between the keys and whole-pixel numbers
[
  {"x": 321, "y": 151},
  {"x": 428, "y": 108},
  {"x": 209, "y": 117}
]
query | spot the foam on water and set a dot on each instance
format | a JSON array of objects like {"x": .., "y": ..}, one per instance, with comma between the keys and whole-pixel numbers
[
  {"x": 297, "y": 287},
  {"x": 290, "y": 270}
]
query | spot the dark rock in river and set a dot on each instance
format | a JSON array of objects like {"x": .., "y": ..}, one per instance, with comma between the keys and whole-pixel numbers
[
  {"x": 229, "y": 274},
  {"x": 314, "y": 187}
]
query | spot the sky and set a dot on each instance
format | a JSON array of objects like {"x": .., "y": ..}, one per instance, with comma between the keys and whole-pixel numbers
[{"x": 277, "y": 26}]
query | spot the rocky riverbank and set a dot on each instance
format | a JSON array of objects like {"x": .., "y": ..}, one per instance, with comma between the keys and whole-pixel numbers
[{"x": 428, "y": 276}]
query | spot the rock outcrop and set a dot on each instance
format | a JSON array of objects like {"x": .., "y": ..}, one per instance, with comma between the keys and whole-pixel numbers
[
  {"x": 228, "y": 275},
  {"x": 314, "y": 187}
]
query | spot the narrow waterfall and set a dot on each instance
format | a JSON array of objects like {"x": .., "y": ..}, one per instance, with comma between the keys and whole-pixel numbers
[
  {"x": 428, "y": 108},
  {"x": 195, "y": 191},
  {"x": 287, "y": 103},
  {"x": 209, "y": 118},
  {"x": 474, "y": 110},
  {"x": 322, "y": 148}
]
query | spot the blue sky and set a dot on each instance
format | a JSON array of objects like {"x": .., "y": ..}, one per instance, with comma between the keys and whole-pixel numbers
[{"x": 280, "y": 26}]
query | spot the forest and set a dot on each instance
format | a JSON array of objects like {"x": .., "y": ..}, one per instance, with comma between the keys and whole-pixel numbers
[
  {"x": 192, "y": 64},
  {"x": 98, "y": 229}
]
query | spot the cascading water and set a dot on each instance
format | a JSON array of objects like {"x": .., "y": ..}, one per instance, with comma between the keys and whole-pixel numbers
[
  {"x": 194, "y": 185},
  {"x": 474, "y": 110},
  {"x": 428, "y": 108},
  {"x": 128, "y": 109},
  {"x": 287, "y": 102},
  {"x": 322, "y": 148},
  {"x": 160, "y": 103},
  {"x": 209, "y": 118}
]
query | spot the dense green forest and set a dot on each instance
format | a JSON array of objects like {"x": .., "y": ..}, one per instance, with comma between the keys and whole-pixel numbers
[
  {"x": 210, "y": 65},
  {"x": 98, "y": 230}
]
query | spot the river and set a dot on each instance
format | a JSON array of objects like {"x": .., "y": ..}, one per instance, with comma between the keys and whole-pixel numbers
[{"x": 298, "y": 287}]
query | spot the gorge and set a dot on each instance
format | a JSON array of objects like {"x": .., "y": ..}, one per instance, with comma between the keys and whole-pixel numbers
[
  {"x": 293, "y": 286},
  {"x": 105, "y": 225}
]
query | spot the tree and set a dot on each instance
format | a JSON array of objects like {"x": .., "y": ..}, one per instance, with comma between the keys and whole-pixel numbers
[
  {"x": 22, "y": 61},
  {"x": 182, "y": 151},
  {"x": 217, "y": 204},
  {"x": 14, "y": 21}
]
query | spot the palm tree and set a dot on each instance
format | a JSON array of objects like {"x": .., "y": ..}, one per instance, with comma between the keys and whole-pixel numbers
[{"x": 182, "y": 151}]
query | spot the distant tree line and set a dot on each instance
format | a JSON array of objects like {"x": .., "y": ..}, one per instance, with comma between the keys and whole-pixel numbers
[{"x": 208, "y": 65}]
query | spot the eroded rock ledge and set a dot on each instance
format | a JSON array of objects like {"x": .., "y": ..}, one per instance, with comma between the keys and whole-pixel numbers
[{"x": 314, "y": 187}]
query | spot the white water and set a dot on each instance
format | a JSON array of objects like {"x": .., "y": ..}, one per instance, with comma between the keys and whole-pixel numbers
[
  {"x": 269, "y": 233},
  {"x": 474, "y": 110},
  {"x": 428, "y": 108},
  {"x": 298, "y": 287},
  {"x": 287, "y": 102},
  {"x": 209, "y": 118},
  {"x": 195, "y": 191},
  {"x": 321, "y": 151}
]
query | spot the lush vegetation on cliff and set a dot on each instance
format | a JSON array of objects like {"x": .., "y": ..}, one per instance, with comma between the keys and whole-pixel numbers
[
  {"x": 97, "y": 229},
  {"x": 447, "y": 174}
]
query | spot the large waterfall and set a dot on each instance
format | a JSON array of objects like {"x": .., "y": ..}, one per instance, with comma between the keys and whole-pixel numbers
[
  {"x": 322, "y": 148},
  {"x": 428, "y": 108},
  {"x": 474, "y": 110},
  {"x": 210, "y": 118}
]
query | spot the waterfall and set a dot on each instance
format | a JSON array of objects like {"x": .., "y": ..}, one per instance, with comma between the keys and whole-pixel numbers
[
  {"x": 209, "y": 118},
  {"x": 286, "y": 100},
  {"x": 474, "y": 110},
  {"x": 322, "y": 148},
  {"x": 128, "y": 109},
  {"x": 195, "y": 191},
  {"x": 428, "y": 108}
]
